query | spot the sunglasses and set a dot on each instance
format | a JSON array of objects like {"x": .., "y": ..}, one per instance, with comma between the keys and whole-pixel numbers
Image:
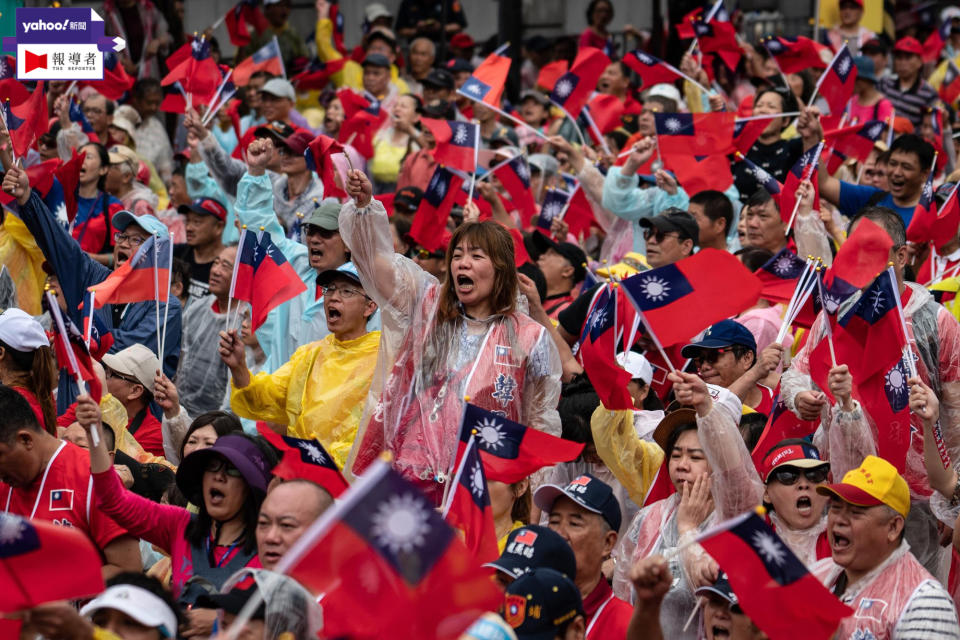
[
  {"x": 710, "y": 356},
  {"x": 326, "y": 234},
  {"x": 216, "y": 465},
  {"x": 110, "y": 373},
  {"x": 659, "y": 234},
  {"x": 791, "y": 475}
]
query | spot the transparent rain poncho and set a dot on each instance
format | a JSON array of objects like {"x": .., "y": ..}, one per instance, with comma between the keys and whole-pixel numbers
[
  {"x": 292, "y": 613},
  {"x": 202, "y": 376},
  {"x": 506, "y": 363}
]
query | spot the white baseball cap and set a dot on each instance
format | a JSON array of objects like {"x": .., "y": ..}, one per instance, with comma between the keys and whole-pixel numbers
[
  {"x": 135, "y": 361},
  {"x": 20, "y": 331},
  {"x": 138, "y": 603},
  {"x": 636, "y": 365}
]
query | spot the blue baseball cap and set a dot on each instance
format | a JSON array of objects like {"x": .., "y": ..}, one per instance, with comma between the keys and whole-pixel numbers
[
  {"x": 346, "y": 270},
  {"x": 725, "y": 333},
  {"x": 532, "y": 547},
  {"x": 720, "y": 587},
  {"x": 587, "y": 491},
  {"x": 123, "y": 219},
  {"x": 540, "y": 603}
]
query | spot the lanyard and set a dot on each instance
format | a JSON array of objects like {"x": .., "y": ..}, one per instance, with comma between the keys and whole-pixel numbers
[
  {"x": 43, "y": 481},
  {"x": 224, "y": 558},
  {"x": 596, "y": 616}
]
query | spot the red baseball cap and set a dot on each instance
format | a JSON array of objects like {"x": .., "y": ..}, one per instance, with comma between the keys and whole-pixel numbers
[
  {"x": 908, "y": 45},
  {"x": 859, "y": 3},
  {"x": 205, "y": 206},
  {"x": 793, "y": 453}
]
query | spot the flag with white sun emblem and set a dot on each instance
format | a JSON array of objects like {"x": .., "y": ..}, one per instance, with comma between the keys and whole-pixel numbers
[
  {"x": 430, "y": 219},
  {"x": 305, "y": 459},
  {"x": 514, "y": 175},
  {"x": 763, "y": 177},
  {"x": 836, "y": 84},
  {"x": 509, "y": 450},
  {"x": 573, "y": 88},
  {"x": 652, "y": 70},
  {"x": 885, "y": 398},
  {"x": 680, "y": 300},
  {"x": 871, "y": 339},
  {"x": 487, "y": 81},
  {"x": 554, "y": 206},
  {"x": 468, "y": 508},
  {"x": 773, "y": 587},
  {"x": 780, "y": 276},
  {"x": 694, "y": 134},
  {"x": 598, "y": 348},
  {"x": 384, "y": 559},
  {"x": 852, "y": 142},
  {"x": 456, "y": 141},
  {"x": 950, "y": 86}
]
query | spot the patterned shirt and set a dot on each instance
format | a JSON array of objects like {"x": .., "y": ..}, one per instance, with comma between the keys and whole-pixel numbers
[
  {"x": 913, "y": 102},
  {"x": 154, "y": 145}
]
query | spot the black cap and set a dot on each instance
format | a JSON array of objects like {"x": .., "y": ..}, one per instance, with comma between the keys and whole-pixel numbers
[
  {"x": 504, "y": 135},
  {"x": 439, "y": 78},
  {"x": 720, "y": 587},
  {"x": 674, "y": 219},
  {"x": 232, "y": 601},
  {"x": 589, "y": 492},
  {"x": 277, "y": 131},
  {"x": 574, "y": 254},
  {"x": 458, "y": 64},
  {"x": 408, "y": 198},
  {"x": 540, "y": 603},
  {"x": 376, "y": 60},
  {"x": 533, "y": 547},
  {"x": 440, "y": 110}
]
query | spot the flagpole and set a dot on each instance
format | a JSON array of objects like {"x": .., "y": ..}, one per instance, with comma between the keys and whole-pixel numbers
[
  {"x": 214, "y": 103},
  {"x": 656, "y": 340},
  {"x": 166, "y": 306},
  {"x": 808, "y": 172},
  {"x": 219, "y": 22},
  {"x": 504, "y": 114},
  {"x": 583, "y": 142},
  {"x": 3, "y": 116},
  {"x": 156, "y": 293},
  {"x": 476, "y": 160},
  {"x": 283, "y": 70},
  {"x": 233, "y": 277},
  {"x": 828, "y": 330},
  {"x": 494, "y": 168},
  {"x": 456, "y": 478},
  {"x": 769, "y": 116},
  {"x": 596, "y": 129},
  {"x": 816, "y": 89},
  {"x": 89, "y": 332},
  {"x": 907, "y": 351}
]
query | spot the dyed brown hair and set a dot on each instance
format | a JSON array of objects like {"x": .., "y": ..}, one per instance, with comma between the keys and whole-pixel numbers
[{"x": 497, "y": 243}]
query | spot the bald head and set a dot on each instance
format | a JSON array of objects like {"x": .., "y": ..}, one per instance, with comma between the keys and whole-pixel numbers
[{"x": 285, "y": 514}]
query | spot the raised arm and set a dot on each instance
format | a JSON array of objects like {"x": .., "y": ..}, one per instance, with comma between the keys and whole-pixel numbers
[
  {"x": 941, "y": 474},
  {"x": 808, "y": 124}
]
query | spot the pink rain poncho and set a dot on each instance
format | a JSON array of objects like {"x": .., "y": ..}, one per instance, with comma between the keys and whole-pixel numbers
[{"x": 506, "y": 363}]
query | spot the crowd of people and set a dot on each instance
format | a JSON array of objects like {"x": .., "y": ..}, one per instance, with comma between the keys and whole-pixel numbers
[{"x": 417, "y": 306}]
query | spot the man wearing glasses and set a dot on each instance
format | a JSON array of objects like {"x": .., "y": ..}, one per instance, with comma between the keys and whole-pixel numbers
[
  {"x": 670, "y": 236},
  {"x": 319, "y": 394},
  {"x": 130, "y": 379}
]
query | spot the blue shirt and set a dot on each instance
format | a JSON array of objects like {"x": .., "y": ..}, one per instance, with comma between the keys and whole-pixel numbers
[{"x": 854, "y": 197}]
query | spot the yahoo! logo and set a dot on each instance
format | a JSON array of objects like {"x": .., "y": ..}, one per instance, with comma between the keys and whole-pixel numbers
[{"x": 43, "y": 25}]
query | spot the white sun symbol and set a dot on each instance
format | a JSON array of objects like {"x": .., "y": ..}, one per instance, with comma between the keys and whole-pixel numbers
[
  {"x": 830, "y": 302},
  {"x": 490, "y": 432},
  {"x": 895, "y": 382},
  {"x": 4, "y": 70},
  {"x": 523, "y": 172},
  {"x": 774, "y": 47},
  {"x": 440, "y": 188},
  {"x": 401, "y": 523},
  {"x": 783, "y": 265},
  {"x": 761, "y": 175},
  {"x": 476, "y": 480},
  {"x": 655, "y": 288},
  {"x": 11, "y": 528},
  {"x": 314, "y": 453},
  {"x": 475, "y": 88},
  {"x": 551, "y": 210},
  {"x": 928, "y": 191},
  {"x": 877, "y": 301},
  {"x": 644, "y": 58},
  {"x": 564, "y": 87},
  {"x": 460, "y": 136},
  {"x": 769, "y": 547},
  {"x": 843, "y": 66},
  {"x": 875, "y": 130},
  {"x": 672, "y": 125},
  {"x": 599, "y": 319}
]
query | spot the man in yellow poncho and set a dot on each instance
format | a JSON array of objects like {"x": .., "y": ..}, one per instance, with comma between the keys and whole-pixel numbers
[{"x": 319, "y": 394}]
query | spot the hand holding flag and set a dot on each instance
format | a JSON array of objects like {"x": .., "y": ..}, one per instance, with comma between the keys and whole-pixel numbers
[{"x": 469, "y": 508}]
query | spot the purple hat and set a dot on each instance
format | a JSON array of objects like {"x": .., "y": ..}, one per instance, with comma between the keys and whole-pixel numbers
[{"x": 240, "y": 451}]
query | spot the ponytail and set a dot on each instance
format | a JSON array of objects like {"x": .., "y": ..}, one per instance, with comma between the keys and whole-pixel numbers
[{"x": 43, "y": 379}]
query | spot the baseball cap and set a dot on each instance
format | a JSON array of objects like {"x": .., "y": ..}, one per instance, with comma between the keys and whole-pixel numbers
[
  {"x": 326, "y": 216},
  {"x": 489, "y": 626},
  {"x": 298, "y": 141},
  {"x": 504, "y": 135},
  {"x": 280, "y": 88},
  {"x": 146, "y": 608},
  {"x": 239, "y": 450},
  {"x": 636, "y": 365},
  {"x": 794, "y": 453},
  {"x": 573, "y": 254},
  {"x": 725, "y": 333},
  {"x": 874, "y": 45},
  {"x": 859, "y": 3},
  {"x": 383, "y": 34},
  {"x": 674, "y": 219},
  {"x": 439, "y": 78},
  {"x": 137, "y": 362},
  {"x": 375, "y": 11},
  {"x": 204, "y": 206},
  {"x": 630, "y": 264},
  {"x": 908, "y": 45},
  {"x": 124, "y": 123},
  {"x": 233, "y": 601},
  {"x": 532, "y": 94},
  {"x": 586, "y": 490},
  {"x": 376, "y": 60},
  {"x": 408, "y": 199},
  {"x": 122, "y": 154},
  {"x": 458, "y": 64},
  {"x": 873, "y": 483},
  {"x": 346, "y": 270},
  {"x": 720, "y": 587},
  {"x": 19, "y": 331},
  {"x": 462, "y": 41},
  {"x": 533, "y": 547},
  {"x": 865, "y": 68},
  {"x": 149, "y": 223},
  {"x": 539, "y": 603}
]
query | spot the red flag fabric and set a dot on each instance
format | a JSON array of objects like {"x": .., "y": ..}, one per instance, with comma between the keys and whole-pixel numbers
[
  {"x": 430, "y": 221},
  {"x": 793, "y": 55},
  {"x": 782, "y": 424},
  {"x": 767, "y": 181},
  {"x": 34, "y": 550},
  {"x": 718, "y": 36},
  {"x": 456, "y": 141},
  {"x": 363, "y": 117},
  {"x": 520, "y": 255},
  {"x": 695, "y": 134},
  {"x": 469, "y": 508},
  {"x": 73, "y": 340},
  {"x": 266, "y": 58},
  {"x": 27, "y": 121},
  {"x": 933, "y": 45},
  {"x": 605, "y": 110},
  {"x": 885, "y": 398},
  {"x": 662, "y": 486},
  {"x": 550, "y": 73},
  {"x": 920, "y": 229},
  {"x": 385, "y": 560},
  {"x": 780, "y": 276},
  {"x": 852, "y": 142},
  {"x": 487, "y": 81},
  {"x": 872, "y": 330},
  {"x": 836, "y": 84},
  {"x": 574, "y": 88},
  {"x": 10, "y": 87},
  {"x": 746, "y": 132},
  {"x": 598, "y": 347},
  {"x": 773, "y": 587},
  {"x": 862, "y": 256},
  {"x": 317, "y": 74},
  {"x": 805, "y": 168},
  {"x": 241, "y": 18},
  {"x": 318, "y": 159},
  {"x": 579, "y": 216},
  {"x": 700, "y": 173},
  {"x": 680, "y": 300},
  {"x": 198, "y": 74},
  {"x": 68, "y": 173},
  {"x": 514, "y": 175},
  {"x": 305, "y": 459},
  {"x": 947, "y": 221},
  {"x": 116, "y": 81},
  {"x": 262, "y": 276},
  {"x": 652, "y": 70},
  {"x": 133, "y": 281},
  {"x": 510, "y": 451},
  {"x": 950, "y": 87},
  {"x": 40, "y": 177}
]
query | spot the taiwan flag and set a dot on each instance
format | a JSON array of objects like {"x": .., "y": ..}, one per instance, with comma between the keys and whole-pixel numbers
[
  {"x": 318, "y": 155},
  {"x": 680, "y": 300},
  {"x": 935, "y": 42},
  {"x": 510, "y": 451},
  {"x": 267, "y": 58},
  {"x": 780, "y": 276},
  {"x": 718, "y": 36},
  {"x": 457, "y": 142},
  {"x": 487, "y": 82},
  {"x": 77, "y": 115},
  {"x": 385, "y": 560},
  {"x": 950, "y": 86},
  {"x": 306, "y": 459},
  {"x": 694, "y": 134},
  {"x": 263, "y": 277},
  {"x": 317, "y": 74},
  {"x": 74, "y": 341},
  {"x": 198, "y": 74},
  {"x": 872, "y": 337},
  {"x": 241, "y": 18},
  {"x": 773, "y": 587},
  {"x": 852, "y": 142},
  {"x": 145, "y": 276},
  {"x": 27, "y": 121},
  {"x": 920, "y": 229},
  {"x": 605, "y": 111},
  {"x": 597, "y": 353},
  {"x": 574, "y": 88},
  {"x": 782, "y": 424},
  {"x": 579, "y": 216},
  {"x": 10, "y": 87},
  {"x": 805, "y": 168},
  {"x": 835, "y": 86},
  {"x": 469, "y": 506},
  {"x": 31, "y": 551},
  {"x": 514, "y": 175},
  {"x": 116, "y": 81},
  {"x": 363, "y": 117},
  {"x": 550, "y": 73},
  {"x": 554, "y": 206},
  {"x": 763, "y": 178},
  {"x": 746, "y": 131},
  {"x": 793, "y": 55},
  {"x": 864, "y": 255},
  {"x": 885, "y": 397},
  {"x": 68, "y": 173},
  {"x": 947, "y": 220},
  {"x": 651, "y": 70},
  {"x": 430, "y": 220}
]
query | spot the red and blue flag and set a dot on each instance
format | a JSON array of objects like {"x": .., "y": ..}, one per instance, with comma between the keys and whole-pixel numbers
[
  {"x": 362, "y": 118},
  {"x": 514, "y": 175},
  {"x": 305, "y": 459},
  {"x": 920, "y": 229},
  {"x": 950, "y": 86},
  {"x": 780, "y": 275},
  {"x": 245, "y": 15},
  {"x": 469, "y": 506},
  {"x": 763, "y": 178},
  {"x": 317, "y": 74},
  {"x": 652, "y": 70},
  {"x": 597, "y": 352},
  {"x": 554, "y": 206},
  {"x": 746, "y": 131},
  {"x": 27, "y": 121},
  {"x": 267, "y": 58},
  {"x": 318, "y": 158},
  {"x": 794, "y": 54},
  {"x": 263, "y": 277},
  {"x": 805, "y": 168},
  {"x": 430, "y": 220},
  {"x": 487, "y": 82},
  {"x": 782, "y": 424},
  {"x": 198, "y": 73},
  {"x": 142, "y": 277},
  {"x": 836, "y": 84},
  {"x": 695, "y": 134},
  {"x": 852, "y": 142},
  {"x": 457, "y": 142},
  {"x": 574, "y": 88}
]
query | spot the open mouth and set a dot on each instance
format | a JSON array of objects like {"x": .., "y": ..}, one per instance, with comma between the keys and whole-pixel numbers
[
  {"x": 333, "y": 314},
  {"x": 804, "y": 506},
  {"x": 316, "y": 253},
  {"x": 840, "y": 542},
  {"x": 464, "y": 284},
  {"x": 216, "y": 497},
  {"x": 122, "y": 256},
  {"x": 720, "y": 632}
]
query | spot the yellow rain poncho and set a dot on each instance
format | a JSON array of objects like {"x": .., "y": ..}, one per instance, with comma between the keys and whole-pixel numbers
[
  {"x": 318, "y": 394},
  {"x": 24, "y": 260}
]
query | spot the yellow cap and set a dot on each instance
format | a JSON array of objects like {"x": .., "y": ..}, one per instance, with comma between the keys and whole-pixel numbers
[
  {"x": 631, "y": 264},
  {"x": 875, "y": 482}
]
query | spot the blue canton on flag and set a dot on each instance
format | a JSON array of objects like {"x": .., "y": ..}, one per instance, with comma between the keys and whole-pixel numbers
[
  {"x": 657, "y": 288},
  {"x": 17, "y": 536}
]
